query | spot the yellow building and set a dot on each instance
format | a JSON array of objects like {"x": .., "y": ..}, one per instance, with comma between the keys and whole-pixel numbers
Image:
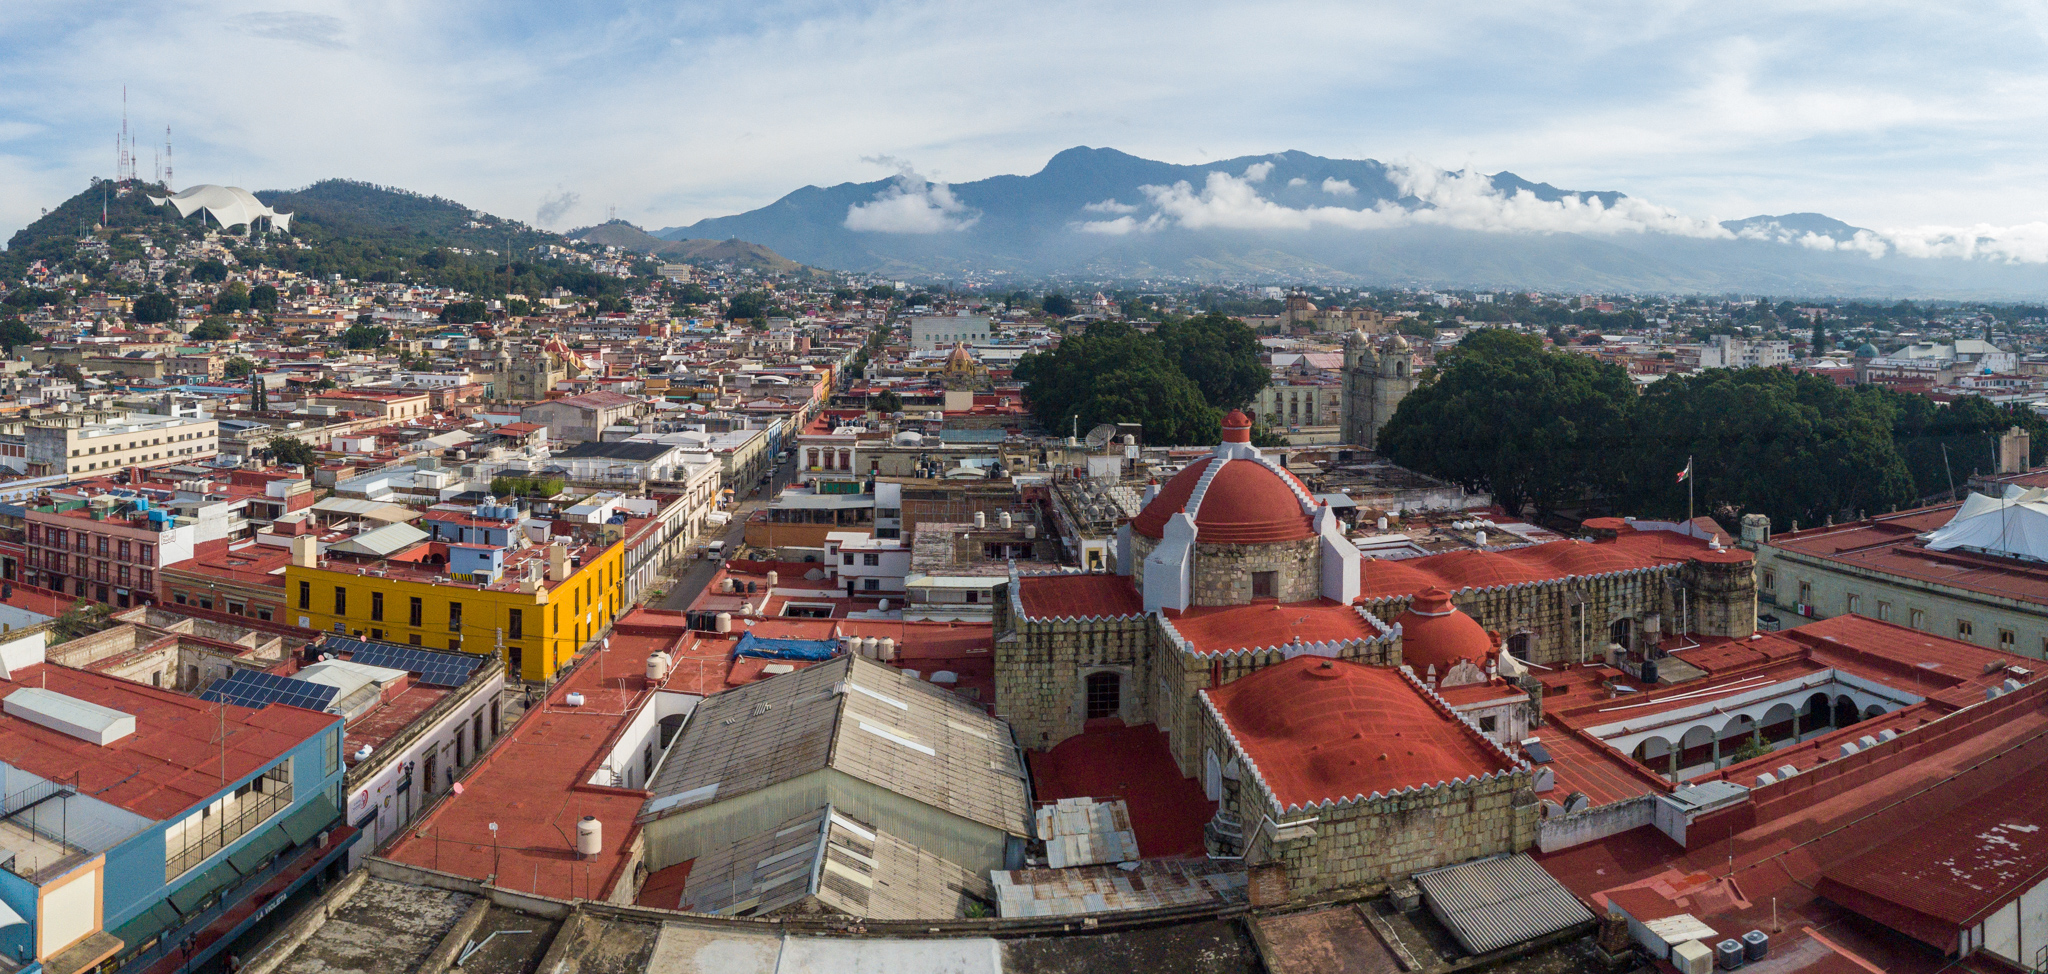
[{"x": 539, "y": 605}]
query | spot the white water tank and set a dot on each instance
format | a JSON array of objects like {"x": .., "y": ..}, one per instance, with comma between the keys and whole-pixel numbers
[
  {"x": 1003, "y": 520},
  {"x": 772, "y": 579},
  {"x": 980, "y": 519},
  {"x": 657, "y": 667},
  {"x": 850, "y": 645},
  {"x": 1030, "y": 531},
  {"x": 1383, "y": 522},
  {"x": 884, "y": 605},
  {"x": 363, "y": 753},
  {"x": 723, "y": 623},
  {"x": 871, "y": 647},
  {"x": 589, "y": 836},
  {"x": 573, "y": 700},
  {"x": 888, "y": 649},
  {"x": 725, "y": 586},
  {"x": 1481, "y": 538}
]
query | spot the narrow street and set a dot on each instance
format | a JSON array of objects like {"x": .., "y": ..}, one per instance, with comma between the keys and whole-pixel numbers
[{"x": 692, "y": 575}]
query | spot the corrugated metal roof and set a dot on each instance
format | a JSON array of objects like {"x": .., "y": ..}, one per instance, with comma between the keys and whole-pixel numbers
[{"x": 1493, "y": 903}]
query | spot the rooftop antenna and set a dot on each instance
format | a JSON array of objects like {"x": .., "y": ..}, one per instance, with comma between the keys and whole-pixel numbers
[{"x": 167, "y": 158}]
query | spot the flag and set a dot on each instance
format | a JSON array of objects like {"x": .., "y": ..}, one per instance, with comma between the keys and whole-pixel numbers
[{"x": 1687, "y": 472}]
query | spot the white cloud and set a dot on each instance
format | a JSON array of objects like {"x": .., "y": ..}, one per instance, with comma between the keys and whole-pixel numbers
[
  {"x": 1296, "y": 183},
  {"x": 554, "y": 206},
  {"x": 1257, "y": 172},
  {"x": 1110, "y": 228},
  {"x": 1110, "y": 206},
  {"x": 911, "y": 204},
  {"x": 1339, "y": 187}
]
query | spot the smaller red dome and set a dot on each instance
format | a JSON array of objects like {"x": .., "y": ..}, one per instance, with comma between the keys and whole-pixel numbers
[
  {"x": 1237, "y": 427},
  {"x": 1436, "y": 633}
]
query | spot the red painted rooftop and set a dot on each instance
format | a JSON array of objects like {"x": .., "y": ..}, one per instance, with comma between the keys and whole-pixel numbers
[
  {"x": 1079, "y": 596},
  {"x": 1454, "y": 571},
  {"x": 533, "y": 783},
  {"x": 1890, "y": 545},
  {"x": 1109, "y": 760},
  {"x": 1329, "y": 729},
  {"x": 1435, "y": 633},
  {"x": 174, "y": 759},
  {"x": 1222, "y": 628}
]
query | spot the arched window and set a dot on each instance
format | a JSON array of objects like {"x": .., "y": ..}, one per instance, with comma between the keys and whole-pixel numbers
[{"x": 1105, "y": 695}]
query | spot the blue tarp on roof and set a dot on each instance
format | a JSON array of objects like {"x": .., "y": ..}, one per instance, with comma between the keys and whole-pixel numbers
[{"x": 810, "y": 649}]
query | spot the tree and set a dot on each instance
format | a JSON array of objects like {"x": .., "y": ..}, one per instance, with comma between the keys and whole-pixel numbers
[
  {"x": 293, "y": 451},
  {"x": 259, "y": 395},
  {"x": 212, "y": 271},
  {"x": 231, "y": 299},
  {"x": 69, "y": 373},
  {"x": 213, "y": 329},
  {"x": 463, "y": 312},
  {"x": 1820, "y": 337},
  {"x": 749, "y": 304},
  {"x": 263, "y": 297},
  {"x": 1221, "y": 355},
  {"x": 1506, "y": 416},
  {"x": 359, "y": 337},
  {"x": 880, "y": 292},
  {"x": 155, "y": 307},
  {"x": 15, "y": 333},
  {"x": 1058, "y": 305},
  {"x": 1112, "y": 373},
  {"x": 238, "y": 367},
  {"x": 885, "y": 401}
]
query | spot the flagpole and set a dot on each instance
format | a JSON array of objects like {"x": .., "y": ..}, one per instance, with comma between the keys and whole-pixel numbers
[{"x": 1688, "y": 490}]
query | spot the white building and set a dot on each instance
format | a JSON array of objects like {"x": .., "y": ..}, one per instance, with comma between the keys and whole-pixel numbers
[
  {"x": 947, "y": 331},
  {"x": 865, "y": 565},
  {"x": 1730, "y": 352}
]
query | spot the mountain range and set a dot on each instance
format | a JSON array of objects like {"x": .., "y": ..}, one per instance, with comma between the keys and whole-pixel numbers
[
  {"x": 739, "y": 253},
  {"x": 1289, "y": 216}
]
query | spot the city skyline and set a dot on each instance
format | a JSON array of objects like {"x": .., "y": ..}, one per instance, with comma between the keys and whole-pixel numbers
[{"x": 1892, "y": 117}]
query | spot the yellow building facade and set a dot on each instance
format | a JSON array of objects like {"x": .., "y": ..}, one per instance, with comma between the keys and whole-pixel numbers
[{"x": 539, "y": 632}]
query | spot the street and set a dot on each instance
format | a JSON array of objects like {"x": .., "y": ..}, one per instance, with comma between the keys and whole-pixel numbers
[{"x": 691, "y": 575}]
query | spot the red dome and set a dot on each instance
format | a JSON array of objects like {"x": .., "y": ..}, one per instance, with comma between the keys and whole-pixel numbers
[
  {"x": 1327, "y": 729},
  {"x": 1247, "y": 503},
  {"x": 1237, "y": 427},
  {"x": 1436, "y": 633}
]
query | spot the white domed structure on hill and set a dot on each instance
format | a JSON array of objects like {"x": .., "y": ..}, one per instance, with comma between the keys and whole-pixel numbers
[{"x": 228, "y": 205}]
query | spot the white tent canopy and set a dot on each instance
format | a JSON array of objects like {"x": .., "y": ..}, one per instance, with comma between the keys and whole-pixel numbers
[
  {"x": 228, "y": 205},
  {"x": 2016, "y": 524}
]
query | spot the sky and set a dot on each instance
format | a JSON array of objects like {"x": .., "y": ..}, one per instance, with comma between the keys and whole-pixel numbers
[{"x": 1895, "y": 116}]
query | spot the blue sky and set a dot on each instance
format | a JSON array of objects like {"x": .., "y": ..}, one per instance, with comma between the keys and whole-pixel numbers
[{"x": 1885, "y": 115}]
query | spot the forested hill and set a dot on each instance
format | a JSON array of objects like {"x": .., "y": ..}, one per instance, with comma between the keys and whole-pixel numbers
[
  {"x": 366, "y": 211},
  {"x": 355, "y": 229}
]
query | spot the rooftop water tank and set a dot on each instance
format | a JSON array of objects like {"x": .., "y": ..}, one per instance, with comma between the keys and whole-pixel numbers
[
  {"x": 573, "y": 700},
  {"x": 589, "y": 836},
  {"x": 657, "y": 667},
  {"x": 888, "y": 649}
]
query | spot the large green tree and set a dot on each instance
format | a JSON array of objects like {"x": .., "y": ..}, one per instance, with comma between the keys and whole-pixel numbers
[
  {"x": 1112, "y": 373},
  {"x": 213, "y": 329},
  {"x": 1221, "y": 355},
  {"x": 155, "y": 307},
  {"x": 15, "y": 333},
  {"x": 1506, "y": 416}
]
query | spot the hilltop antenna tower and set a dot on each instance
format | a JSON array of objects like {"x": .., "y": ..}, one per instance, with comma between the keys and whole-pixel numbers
[
  {"x": 167, "y": 158},
  {"x": 121, "y": 161}
]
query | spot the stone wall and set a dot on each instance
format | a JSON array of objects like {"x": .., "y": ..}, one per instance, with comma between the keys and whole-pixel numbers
[
  {"x": 1561, "y": 618},
  {"x": 1041, "y": 667},
  {"x": 1723, "y": 595},
  {"x": 1377, "y": 842},
  {"x": 1223, "y": 572}
]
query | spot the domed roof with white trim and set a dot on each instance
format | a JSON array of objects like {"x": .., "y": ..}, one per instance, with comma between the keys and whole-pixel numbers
[{"x": 1235, "y": 495}]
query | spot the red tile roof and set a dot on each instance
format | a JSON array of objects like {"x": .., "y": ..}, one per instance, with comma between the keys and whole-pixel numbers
[
  {"x": 175, "y": 759},
  {"x": 1223, "y": 628},
  {"x": 1109, "y": 760},
  {"x": 1322, "y": 729},
  {"x": 1458, "y": 570},
  {"x": 1079, "y": 596}
]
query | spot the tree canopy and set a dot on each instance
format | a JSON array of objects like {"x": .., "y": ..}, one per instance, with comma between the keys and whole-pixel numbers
[
  {"x": 15, "y": 333},
  {"x": 1113, "y": 373},
  {"x": 155, "y": 307},
  {"x": 1501, "y": 414},
  {"x": 292, "y": 450},
  {"x": 213, "y": 330},
  {"x": 1058, "y": 305},
  {"x": 364, "y": 336}
]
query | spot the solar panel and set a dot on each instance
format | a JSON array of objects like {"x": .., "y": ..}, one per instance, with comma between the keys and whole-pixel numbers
[
  {"x": 254, "y": 688},
  {"x": 1538, "y": 754},
  {"x": 436, "y": 668}
]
